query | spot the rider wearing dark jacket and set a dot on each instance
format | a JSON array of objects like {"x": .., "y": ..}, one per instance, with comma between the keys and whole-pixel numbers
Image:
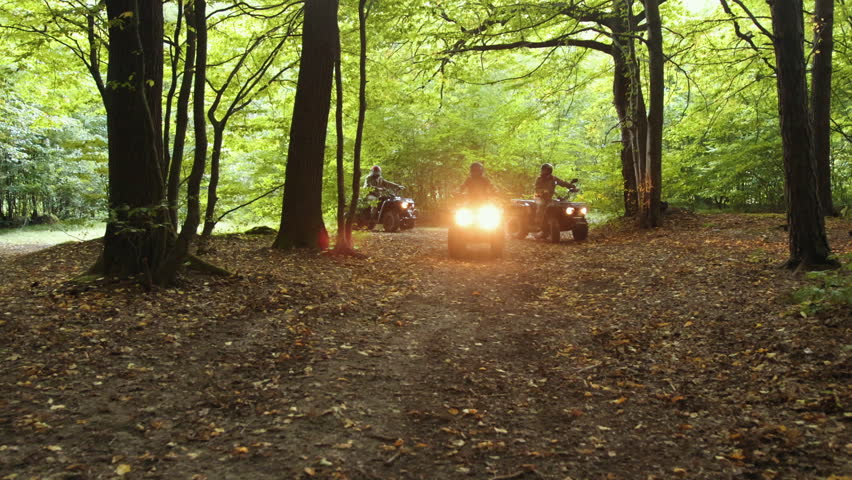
[
  {"x": 545, "y": 184},
  {"x": 545, "y": 188},
  {"x": 374, "y": 185},
  {"x": 476, "y": 185},
  {"x": 377, "y": 182}
]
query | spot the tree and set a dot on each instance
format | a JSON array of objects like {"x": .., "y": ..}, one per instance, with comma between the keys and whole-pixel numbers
[
  {"x": 175, "y": 160},
  {"x": 64, "y": 22},
  {"x": 197, "y": 15},
  {"x": 807, "y": 240},
  {"x": 254, "y": 82},
  {"x": 649, "y": 208},
  {"x": 138, "y": 233},
  {"x": 346, "y": 221},
  {"x": 821, "y": 100},
  {"x": 617, "y": 21},
  {"x": 629, "y": 102},
  {"x": 301, "y": 216}
]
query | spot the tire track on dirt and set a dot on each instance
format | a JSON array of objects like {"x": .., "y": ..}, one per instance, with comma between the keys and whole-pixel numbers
[{"x": 463, "y": 351}]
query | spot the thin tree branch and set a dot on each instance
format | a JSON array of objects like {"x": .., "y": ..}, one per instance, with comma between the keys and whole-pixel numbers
[{"x": 249, "y": 202}]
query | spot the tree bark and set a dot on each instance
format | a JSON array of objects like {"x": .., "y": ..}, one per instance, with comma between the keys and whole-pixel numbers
[
  {"x": 651, "y": 215},
  {"x": 621, "y": 89},
  {"x": 821, "y": 101},
  {"x": 180, "y": 253},
  {"x": 182, "y": 117},
  {"x": 138, "y": 235},
  {"x": 301, "y": 216},
  {"x": 341, "y": 244},
  {"x": 637, "y": 118},
  {"x": 213, "y": 185},
  {"x": 174, "y": 54},
  {"x": 807, "y": 240},
  {"x": 362, "y": 114}
]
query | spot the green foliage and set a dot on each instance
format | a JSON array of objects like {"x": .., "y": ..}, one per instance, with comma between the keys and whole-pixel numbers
[
  {"x": 49, "y": 162},
  {"x": 828, "y": 289},
  {"x": 429, "y": 114}
]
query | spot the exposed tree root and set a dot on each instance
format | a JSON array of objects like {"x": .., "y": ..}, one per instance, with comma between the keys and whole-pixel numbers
[
  {"x": 206, "y": 267},
  {"x": 796, "y": 265}
]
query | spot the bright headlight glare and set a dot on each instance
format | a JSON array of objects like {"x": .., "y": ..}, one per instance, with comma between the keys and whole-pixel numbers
[
  {"x": 464, "y": 217},
  {"x": 584, "y": 210},
  {"x": 404, "y": 205},
  {"x": 489, "y": 217},
  {"x": 569, "y": 210}
]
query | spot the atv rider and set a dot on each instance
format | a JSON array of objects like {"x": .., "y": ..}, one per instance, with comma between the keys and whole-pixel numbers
[
  {"x": 545, "y": 187},
  {"x": 375, "y": 182},
  {"x": 476, "y": 185}
]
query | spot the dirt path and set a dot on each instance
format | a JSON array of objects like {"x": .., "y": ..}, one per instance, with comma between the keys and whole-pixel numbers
[{"x": 659, "y": 354}]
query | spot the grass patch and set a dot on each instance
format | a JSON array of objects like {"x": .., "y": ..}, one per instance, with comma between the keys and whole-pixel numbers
[{"x": 51, "y": 234}]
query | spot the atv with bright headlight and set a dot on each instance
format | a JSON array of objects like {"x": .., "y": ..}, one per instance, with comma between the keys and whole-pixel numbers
[
  {"x": 476, "y": 221},
  {"x": 562, "y": 215}
]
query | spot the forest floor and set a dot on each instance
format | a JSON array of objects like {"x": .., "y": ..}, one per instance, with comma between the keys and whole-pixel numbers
[{"x": 672, "y": 353}]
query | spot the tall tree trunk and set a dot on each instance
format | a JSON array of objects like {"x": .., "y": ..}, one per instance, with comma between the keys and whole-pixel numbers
[
  {"x": 621, "y": 100},
  {"x": 821, "y": 100},
  {"x": 182, "y": 117},
  {"x": 651, "y": 217},
  {"x": 138, "y": 235},
  {"x": 180, "y": 252},
  {"x": 807, "y": 239},
  {"x": 213, "y": 185},
  {"x": 301, "y": 216},
  {"x": 362, "y": 114},
  {"x": 175, "y": 54},
  {"x": 636, "y": 113},
  {"x": 341, "y": 244}
]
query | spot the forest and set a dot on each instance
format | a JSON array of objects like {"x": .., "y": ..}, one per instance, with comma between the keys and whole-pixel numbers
[
  {"x": 447, "y": 85},
  {"x": 234, "y": 320}
]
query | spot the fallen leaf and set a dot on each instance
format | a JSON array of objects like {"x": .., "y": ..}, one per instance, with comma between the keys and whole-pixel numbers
[{"x": 737, "y": 455}]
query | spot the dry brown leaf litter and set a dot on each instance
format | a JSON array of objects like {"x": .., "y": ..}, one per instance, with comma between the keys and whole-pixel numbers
[{"x": 672, "y": 353}]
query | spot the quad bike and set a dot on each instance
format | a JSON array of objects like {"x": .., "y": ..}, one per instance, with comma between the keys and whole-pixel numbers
[
  {"x": 476, "y": 221},
  {"x": 391, "y": 210},
  {"x": 561, "y": 215}
]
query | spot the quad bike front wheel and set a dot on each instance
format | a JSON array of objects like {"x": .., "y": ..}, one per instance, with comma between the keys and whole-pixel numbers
[
  {"x": 555, "y": 234},
  {"x": 498, "y": 242},
  {"x": 580, "y": 232},
  {"x": 455, "y": 244},
  {"x": 516, "y": 229},
  {"x": 390, "y": 221}
]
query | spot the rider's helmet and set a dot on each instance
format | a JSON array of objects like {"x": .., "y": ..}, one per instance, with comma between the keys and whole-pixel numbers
[
  {"x": 546, "y": 169},
  {"x": 376, "y": 170},
  {"x": 476, "y": 169}
]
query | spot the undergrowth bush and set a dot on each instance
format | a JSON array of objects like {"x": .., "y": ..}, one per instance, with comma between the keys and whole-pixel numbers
[{"x": 828, "y": 288}]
